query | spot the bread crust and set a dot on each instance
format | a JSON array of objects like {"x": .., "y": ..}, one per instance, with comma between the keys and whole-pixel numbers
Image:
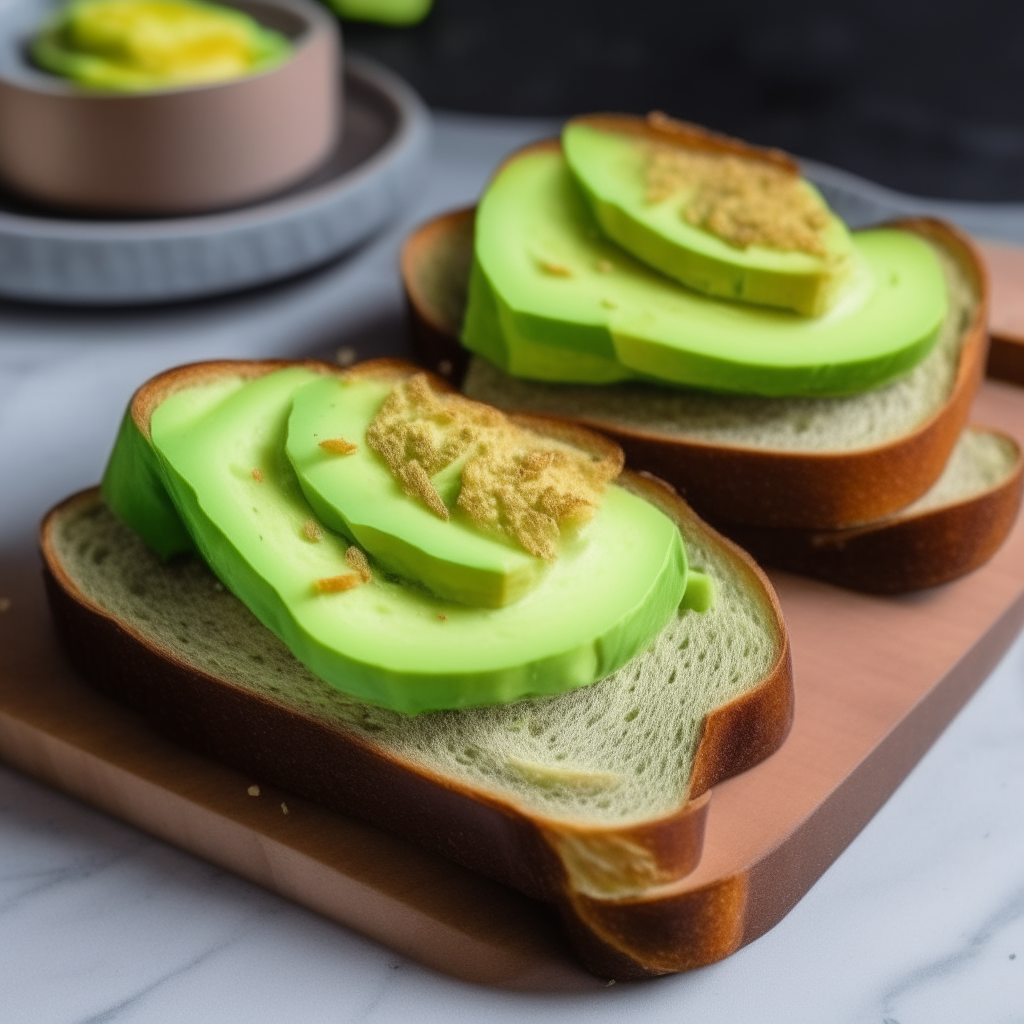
[
  {"x": 733, "y": 484},
  {"x": 659, "y": 127},
  {"x": 1006, "y": 353},
  {"x": 902, "y": 553},
  {"x": 341, "y": 769}
]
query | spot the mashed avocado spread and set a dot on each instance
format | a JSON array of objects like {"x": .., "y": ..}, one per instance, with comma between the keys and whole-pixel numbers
[{"x": 145, "y": 45}]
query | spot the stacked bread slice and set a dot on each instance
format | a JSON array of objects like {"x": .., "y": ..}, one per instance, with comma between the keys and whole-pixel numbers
[
  {"x": 1005, "y": 264},
  {"x": 594, "y": 800},
  {"x": 882, "y": 491}
]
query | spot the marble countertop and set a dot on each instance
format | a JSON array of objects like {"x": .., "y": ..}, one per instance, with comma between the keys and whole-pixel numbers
[{"x": 920, "y": 920}]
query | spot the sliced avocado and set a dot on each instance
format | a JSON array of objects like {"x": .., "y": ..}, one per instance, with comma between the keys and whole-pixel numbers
[
  {"x": 134, "y": 491},
  {"x": 384, "y": 12},
  {"x": 551, "y": 299},
  {"x": 390, "y": 641},
  {"x": 612, "y": 169},
  {"x": 145, "y": 45},
  {"x": 132, "y": 484},
  {"x": 357, "y": 496},
  {"x": 700, "y": 592}
]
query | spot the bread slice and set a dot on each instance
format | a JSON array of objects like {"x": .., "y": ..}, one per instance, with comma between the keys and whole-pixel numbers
[
  {"x": 582, "y": 799},
  {"x": 953, "y": 529},
  {"x": 1006, "y": 270},
  {"x": 823, "y": 463}
]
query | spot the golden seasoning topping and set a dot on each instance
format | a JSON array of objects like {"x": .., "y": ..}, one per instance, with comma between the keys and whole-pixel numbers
[
  {"x": 514, "y": 481},
  {"x": 356, "y": 561},
  {"x": 742, "y": 200},
  {"x": 334, "y": 584},
  {"x": 257, "y": 476},
  {"x": 554, "y": 268},
  {"x": 415, "y": 480},
  {"x": 253, "y": 791},
  {"x": 338, "y": 446},
  {"x": 311, "y": 531}
]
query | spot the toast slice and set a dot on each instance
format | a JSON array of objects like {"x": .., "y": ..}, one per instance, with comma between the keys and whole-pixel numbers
[
  {"x": 584, "y": 800},
  {"x": 1006, "y": 270},
  {"x": 824, "y": 463},
  {"x": 953, "y": 529}
]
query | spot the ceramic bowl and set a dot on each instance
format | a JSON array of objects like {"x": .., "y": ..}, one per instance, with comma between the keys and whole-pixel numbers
[{"x": 174, "y": 151}]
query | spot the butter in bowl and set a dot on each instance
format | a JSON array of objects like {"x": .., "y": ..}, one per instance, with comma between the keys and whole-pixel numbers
[{"x": 165, "y": 107}]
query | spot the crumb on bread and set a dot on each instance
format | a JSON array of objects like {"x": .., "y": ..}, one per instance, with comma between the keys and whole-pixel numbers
[
  {"x": 514, "y": 482},
  {"x": 741, "y": 200}
]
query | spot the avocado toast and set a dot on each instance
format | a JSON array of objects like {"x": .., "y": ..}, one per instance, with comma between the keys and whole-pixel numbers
[
  {"x": 755, "y": 462},
  {"x": 593, "y": 799}
]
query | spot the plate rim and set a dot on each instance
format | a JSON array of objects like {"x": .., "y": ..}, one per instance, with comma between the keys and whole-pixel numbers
[{"x": 412, "y": 123}]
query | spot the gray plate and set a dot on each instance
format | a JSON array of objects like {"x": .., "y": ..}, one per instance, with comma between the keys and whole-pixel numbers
[{"x": 56, "y": 258}]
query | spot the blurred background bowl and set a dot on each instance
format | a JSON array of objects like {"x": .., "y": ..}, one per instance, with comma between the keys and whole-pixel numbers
[{"x": 175, "y": 151}]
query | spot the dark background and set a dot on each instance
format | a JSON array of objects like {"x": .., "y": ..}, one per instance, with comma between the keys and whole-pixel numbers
[{"x": 925, "y": 98}]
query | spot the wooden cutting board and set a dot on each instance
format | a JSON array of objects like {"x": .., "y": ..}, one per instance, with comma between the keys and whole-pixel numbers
[{"x": 877, "y": 680}]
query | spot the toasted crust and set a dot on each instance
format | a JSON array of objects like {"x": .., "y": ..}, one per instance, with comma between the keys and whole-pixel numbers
[
  {"x": 659, "y": 127},
  {"x": 902, "y": 553},
  {"x": 1005, "y": 358},
  {"x": 1006, "y": 353},
  {"x": 732, "y": 484},
  {"x": 341, "y": 769}
]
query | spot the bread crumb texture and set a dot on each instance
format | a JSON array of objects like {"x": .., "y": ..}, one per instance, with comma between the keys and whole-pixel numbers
[
  {"x": 336, "y": 584},
  {"x": 980, "y": 461},
  {"x": 356, "y": 561},
  {"x": 742, "y": 200},
  {"x": 338, "y": 446},
  {"x": 615, "y": 752},
  {"x": 772, "y": 424},
  {"x": 514, "y": 482}
]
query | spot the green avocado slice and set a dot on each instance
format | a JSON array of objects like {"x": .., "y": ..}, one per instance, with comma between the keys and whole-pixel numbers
[
  {"x": 357, "y": 496},
  {"x": 610, "y": 167},
  {"x": 552, "y": 299},
  {"x": 135, "y": 493},
  {"x": 390, "y": 641},
  {"x": 147, "y": 45}
]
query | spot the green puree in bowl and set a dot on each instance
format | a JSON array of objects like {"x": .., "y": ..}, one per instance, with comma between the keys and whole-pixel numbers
[{"x": 146, "y": 45}]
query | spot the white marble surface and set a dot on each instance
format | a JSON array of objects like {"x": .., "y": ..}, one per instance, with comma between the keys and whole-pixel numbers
[{"x": 921, "y": 921}]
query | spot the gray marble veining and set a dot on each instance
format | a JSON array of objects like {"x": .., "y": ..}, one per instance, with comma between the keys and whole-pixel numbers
[{"x": 920, "y": 921}]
